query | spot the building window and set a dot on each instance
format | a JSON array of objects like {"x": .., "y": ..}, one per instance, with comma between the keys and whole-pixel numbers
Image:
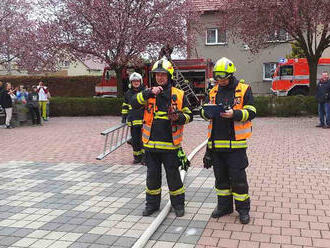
[
  {"x": 286, "y": 70},
  {"x": 278, "y": 36},
  {"x": 215, "y": 36},
  {"x": 268, "y": 70}
]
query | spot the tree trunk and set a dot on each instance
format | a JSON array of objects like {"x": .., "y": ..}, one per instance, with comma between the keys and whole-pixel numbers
[
  {"x": 120, "y": 91},
  {"x": 312, "y": 63}
]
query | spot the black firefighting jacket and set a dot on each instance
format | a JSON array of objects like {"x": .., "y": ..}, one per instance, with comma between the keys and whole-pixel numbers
[
  {"x": 223, "y": 128},
  {"x": 161, "y": 130},
  {"x": 130, "y": 115}
]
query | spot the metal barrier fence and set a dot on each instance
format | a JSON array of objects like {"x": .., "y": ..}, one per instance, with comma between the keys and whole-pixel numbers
[{"x": 115, "y": 137}]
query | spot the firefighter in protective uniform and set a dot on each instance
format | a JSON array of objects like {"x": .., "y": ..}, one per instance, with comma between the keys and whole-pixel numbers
[
  {"x": 134, "y": 117},
  {"x": 227, "y": 135},
  {"x": 165, "y": 113}
]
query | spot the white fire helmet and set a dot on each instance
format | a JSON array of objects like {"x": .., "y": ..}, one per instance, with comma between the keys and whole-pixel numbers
[{"x": 135, "y": 76}]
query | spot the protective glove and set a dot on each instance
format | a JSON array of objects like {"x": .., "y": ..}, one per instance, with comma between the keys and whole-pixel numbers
[
  {"x": 184, "y": 162},
  {"x": 207, "y": 159}
]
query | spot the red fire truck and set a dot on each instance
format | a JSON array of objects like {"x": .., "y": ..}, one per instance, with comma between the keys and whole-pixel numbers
[
  {"x": 291, "y": 76},
  {"x": 196, "y": 71}
]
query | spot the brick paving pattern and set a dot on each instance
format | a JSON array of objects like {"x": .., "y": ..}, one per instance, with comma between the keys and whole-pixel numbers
[
  {"x": 86, "y": 205},
  {"x": 76, "y": 139},
  {"x": 65, "y": 198},
  {"x": 289, "y": 176}
]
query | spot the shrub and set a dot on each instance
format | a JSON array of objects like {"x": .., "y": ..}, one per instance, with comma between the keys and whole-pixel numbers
[
  {"x": 78, "y": 106},
  {"x": 82, "y": 86},
  {"x": 265, "y": 105},
  {"x": 285, "y": 106}
]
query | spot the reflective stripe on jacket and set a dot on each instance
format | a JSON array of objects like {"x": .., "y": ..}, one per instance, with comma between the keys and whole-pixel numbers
[
  {"x": 150, "y": 110},
  {"x": 243, "y": 128}
]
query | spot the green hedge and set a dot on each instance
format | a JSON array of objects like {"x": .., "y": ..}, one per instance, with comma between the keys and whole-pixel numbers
[
  {"x": 78, "y": 106},
  {"x": 285, "y": 106},
  {"x": 82, "y": 86},
  {"x": 265, "y": 105}
]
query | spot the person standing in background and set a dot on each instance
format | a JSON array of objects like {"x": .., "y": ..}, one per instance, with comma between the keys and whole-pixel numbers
[
  {"x": 33, "y": 105},
  {"x": 323, "y": 98},
  {"x": 21, "y": 94},
  {"x": 43, "y": 99},
  {"x": 7, "y": 99}
]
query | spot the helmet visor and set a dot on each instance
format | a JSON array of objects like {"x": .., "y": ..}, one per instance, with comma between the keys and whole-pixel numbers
[{"x": 221, "y": 75}]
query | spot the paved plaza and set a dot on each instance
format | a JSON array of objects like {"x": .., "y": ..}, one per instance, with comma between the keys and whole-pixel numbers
[{"x": 53, "y": 193}]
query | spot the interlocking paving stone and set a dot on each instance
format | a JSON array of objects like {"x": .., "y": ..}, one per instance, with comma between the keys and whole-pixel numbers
[
  {"x": 80, "y": 245},
  {"x": 125, "y": 242},
  {"x": 171, "y": 237},
  {"x": 83, "y": 202}
]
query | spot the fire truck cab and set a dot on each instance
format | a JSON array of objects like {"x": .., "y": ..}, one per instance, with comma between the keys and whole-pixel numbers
[
  {"x": 291, "y": 76},
  {"x": 108, "y": 85},
  {"x": 196, "y": 71}
]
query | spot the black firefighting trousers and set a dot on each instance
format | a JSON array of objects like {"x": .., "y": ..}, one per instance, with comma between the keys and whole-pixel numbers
[
  {"x": 230, "y": 179},
  {"x": 136, "y": 133},
  {"x": 154, "y": 161}
]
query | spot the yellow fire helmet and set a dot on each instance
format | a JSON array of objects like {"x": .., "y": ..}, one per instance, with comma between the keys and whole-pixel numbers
[
  {"x": 223, "y": 68},
  {"x": 163, "y": 65}
]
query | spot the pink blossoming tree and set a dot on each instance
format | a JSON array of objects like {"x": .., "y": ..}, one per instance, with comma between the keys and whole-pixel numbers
[
  {"x": 121, "y": 32},
  {"x": 305, "y": 21},
  {"x": 27, "y": 42}
]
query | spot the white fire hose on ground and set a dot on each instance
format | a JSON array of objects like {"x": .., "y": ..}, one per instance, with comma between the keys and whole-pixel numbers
[{"x": 141, "y": 242}]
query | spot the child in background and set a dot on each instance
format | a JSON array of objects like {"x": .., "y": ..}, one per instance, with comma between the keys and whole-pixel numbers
[
  {"x": 21, "y": 94},
  {"x": 33, "y": 105}
]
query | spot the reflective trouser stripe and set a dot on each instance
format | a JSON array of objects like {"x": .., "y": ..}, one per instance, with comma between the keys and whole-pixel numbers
[
  {"x": 153, "y": 191},
  {"x": 240, "y": 197},
  {"x": 178, "y": 192},
  {"x": 223, "y": 192}
]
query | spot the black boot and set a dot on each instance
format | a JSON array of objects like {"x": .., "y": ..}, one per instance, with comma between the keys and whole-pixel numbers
[
  {"x": 243, "y": 208},
  {"x": 149, "y": 211},
  {"x": 244, "y": 217},
  {"x": 224, "y": 207},
  {"x": 217, "y": 213},
  {"x": 179, "y": 211},
  {"x": 152, "y": 204}
]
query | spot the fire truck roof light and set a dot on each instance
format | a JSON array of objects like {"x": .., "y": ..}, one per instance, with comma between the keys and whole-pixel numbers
[{"x": 282, "y": 60}]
